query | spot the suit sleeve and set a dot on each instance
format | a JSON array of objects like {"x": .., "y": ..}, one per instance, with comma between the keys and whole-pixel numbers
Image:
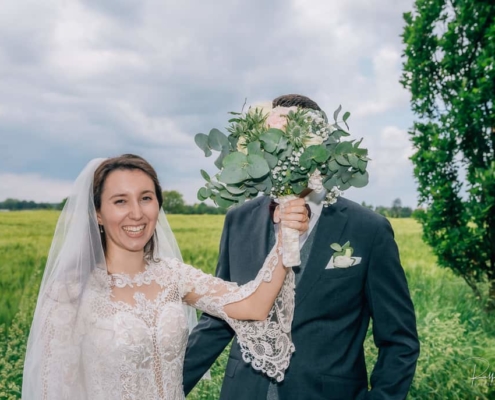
[
  {"x": 394, "y": 321},
  {"x": 210, "y": 337}
]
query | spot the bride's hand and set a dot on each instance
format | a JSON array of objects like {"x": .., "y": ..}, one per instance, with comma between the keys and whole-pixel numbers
[{"x": 294, "y": 215}]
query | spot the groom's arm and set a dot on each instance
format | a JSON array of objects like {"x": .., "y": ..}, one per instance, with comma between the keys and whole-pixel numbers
[
  {"x": 394, "y": 321},
  {"x": 210, "y": 337}
]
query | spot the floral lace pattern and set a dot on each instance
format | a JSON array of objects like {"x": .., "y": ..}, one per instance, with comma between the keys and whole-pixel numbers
[{"x": 130, "y": 334}]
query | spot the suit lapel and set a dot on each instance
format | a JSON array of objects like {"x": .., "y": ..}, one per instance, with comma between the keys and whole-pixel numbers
[{"x": 329, "y": 229}]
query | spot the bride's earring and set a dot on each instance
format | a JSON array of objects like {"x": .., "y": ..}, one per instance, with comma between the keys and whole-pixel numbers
[{"x": 101, "y": 229}]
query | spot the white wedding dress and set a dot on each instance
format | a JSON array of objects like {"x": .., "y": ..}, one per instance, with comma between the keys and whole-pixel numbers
[{"x": 130, "y": 332}]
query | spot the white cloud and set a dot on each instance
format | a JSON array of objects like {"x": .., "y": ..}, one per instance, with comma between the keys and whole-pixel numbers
[
  {"x": 86, "y": 78},
  {"x": 33, "y": 187}
]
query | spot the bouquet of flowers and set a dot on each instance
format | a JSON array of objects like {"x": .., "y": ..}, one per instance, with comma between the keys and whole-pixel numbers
[{"x": 284, "y": 152}]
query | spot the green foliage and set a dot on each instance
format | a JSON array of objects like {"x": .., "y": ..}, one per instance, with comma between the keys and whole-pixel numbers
[
  {"x": 278, "y": 160},
  {"x": 173, "y": 202},
  {"x": 451, "y": 327},
  {"x": 449, "y": 70}
]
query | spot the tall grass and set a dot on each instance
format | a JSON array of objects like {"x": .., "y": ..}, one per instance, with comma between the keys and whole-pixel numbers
[{"x": 452, "y": 326}]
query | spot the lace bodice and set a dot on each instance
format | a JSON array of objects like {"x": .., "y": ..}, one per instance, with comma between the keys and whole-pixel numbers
[{"x": 131, "y": 332}]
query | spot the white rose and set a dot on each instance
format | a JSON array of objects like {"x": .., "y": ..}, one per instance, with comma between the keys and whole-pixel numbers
[
  {"x": 312, "y": 140},
  {"x": 241, "y": 145},
  {"x": 342, "y": 262}
]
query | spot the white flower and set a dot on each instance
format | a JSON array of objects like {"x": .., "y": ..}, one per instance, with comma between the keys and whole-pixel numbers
[
  {"x": 342, "y": 262},
  {"x": 241, "y": 145},
  {"x": 316, "y": 181},
  {"x": 312, "y": 140}
]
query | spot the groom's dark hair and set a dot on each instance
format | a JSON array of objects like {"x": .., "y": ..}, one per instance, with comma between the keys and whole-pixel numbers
[{"x": 289, "y": 100}]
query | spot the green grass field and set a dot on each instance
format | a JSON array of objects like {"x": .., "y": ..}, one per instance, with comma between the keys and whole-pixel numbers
[{"x": 451, "y": 325}]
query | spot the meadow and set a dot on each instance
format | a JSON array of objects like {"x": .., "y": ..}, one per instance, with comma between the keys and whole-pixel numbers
[{"x": 456, "y": 335}]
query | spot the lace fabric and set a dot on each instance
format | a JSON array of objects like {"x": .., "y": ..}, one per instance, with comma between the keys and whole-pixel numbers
[{"x": 131, "y": 331}]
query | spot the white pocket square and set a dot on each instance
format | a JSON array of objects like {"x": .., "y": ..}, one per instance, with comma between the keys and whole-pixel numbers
[{"x": 343, "y": 262}]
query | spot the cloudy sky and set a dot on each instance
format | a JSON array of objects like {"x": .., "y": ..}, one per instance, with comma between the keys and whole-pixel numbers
[{"x": 94, "y": 78}]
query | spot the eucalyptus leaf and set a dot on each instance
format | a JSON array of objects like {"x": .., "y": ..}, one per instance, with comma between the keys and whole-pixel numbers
[
  {"x": 359, "y": 180},
  {"x": 270, "y": 159},
  {"x": 270, "y": 139},
  {"x": 344, "y": 185},
  {"x": 353, "y": 160},
  {"x": 255, "y": 148},
  {"x": 343, "y": 148},
  {"x": 217, "y": 185},
  {"x": 330, "y": 183},
  {"x": 282, "y": 144},
  {"x": 362, "y": 166},
  {"x": 217, "y": 140},
  {"x": 333, "y": 165},
  {"x": 297, "y": 176},
  {"x": 205, "y": 175},
  {"x": 233, "y": 174},
  {"x": 317, "y": 153},
  {"x": 286, "y": 153},
  {"x": 225, "y": 194},
  {"x": 342, "y": 160},
  {"x": 298, "y": 187},
  {"x": 346, "y": 116},
  {"x": 346, "y": 176},
  {"x": 202, "y": 194},
  {"x": 235, "y": 190},
  {"x": 219, "y": 161},
  {"x": 257, "y": 167},
  {"x": 336, "y": 113},
  {"x": 237, "y": 159},
  {"x": 202, "y": 141},
  {"x": 223, "y": 203}
]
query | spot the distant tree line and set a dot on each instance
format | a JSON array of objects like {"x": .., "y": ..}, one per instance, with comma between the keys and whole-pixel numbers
[
  {"x": 396, "y": 210},
  {"x": 18, "y": 205},
  {"x": 174, "y": 203}
]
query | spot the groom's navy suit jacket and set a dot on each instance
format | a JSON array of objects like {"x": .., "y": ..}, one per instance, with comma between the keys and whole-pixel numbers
[{"x": 332, "y": 311}]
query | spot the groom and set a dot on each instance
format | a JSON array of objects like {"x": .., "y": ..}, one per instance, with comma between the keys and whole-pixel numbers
[{"x": 333, "y": 305}]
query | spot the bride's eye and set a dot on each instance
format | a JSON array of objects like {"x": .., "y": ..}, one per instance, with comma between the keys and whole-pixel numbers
[
  {"x": 147, "y": 198},
  {"x": 121, "y": 201}
]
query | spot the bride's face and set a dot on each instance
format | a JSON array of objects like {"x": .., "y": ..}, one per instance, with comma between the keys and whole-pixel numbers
[{"x": 129, "y": 210}]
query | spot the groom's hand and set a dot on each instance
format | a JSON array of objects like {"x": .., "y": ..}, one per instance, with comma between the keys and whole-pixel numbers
[{"x": 293, "y": 214}]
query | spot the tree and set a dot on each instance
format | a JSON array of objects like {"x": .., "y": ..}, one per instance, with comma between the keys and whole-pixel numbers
[
  {"x": 173, "y": 202},
  {"x": 395, "y": 210},
  {"x": 449, "y": 69}
]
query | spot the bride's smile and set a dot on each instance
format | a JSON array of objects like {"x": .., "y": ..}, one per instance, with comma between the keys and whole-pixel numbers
[{"x": 129, "y": 211}]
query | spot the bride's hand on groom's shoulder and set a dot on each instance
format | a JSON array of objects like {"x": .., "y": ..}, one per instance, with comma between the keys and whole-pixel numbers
[{"x": 293, "y": 214}]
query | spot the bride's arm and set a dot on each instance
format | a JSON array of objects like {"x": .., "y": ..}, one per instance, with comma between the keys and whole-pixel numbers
[
  {"x": 254, "y": 300},
  {"x": 259, "y": 311}
]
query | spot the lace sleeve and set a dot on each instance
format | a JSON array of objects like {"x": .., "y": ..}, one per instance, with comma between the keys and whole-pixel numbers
[
  {"x": 267, "y": 344},
  {"x": 58, "y": 345}
]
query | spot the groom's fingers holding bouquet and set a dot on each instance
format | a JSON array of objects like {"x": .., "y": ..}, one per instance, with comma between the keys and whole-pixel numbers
[{"x": 293, "y": 214}]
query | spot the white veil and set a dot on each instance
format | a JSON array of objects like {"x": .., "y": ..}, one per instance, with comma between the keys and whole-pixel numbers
[{"x": 75, "y": 252}]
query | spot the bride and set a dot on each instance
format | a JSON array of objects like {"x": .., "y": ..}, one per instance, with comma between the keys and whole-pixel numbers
[{"x": 113, "y": 312}]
